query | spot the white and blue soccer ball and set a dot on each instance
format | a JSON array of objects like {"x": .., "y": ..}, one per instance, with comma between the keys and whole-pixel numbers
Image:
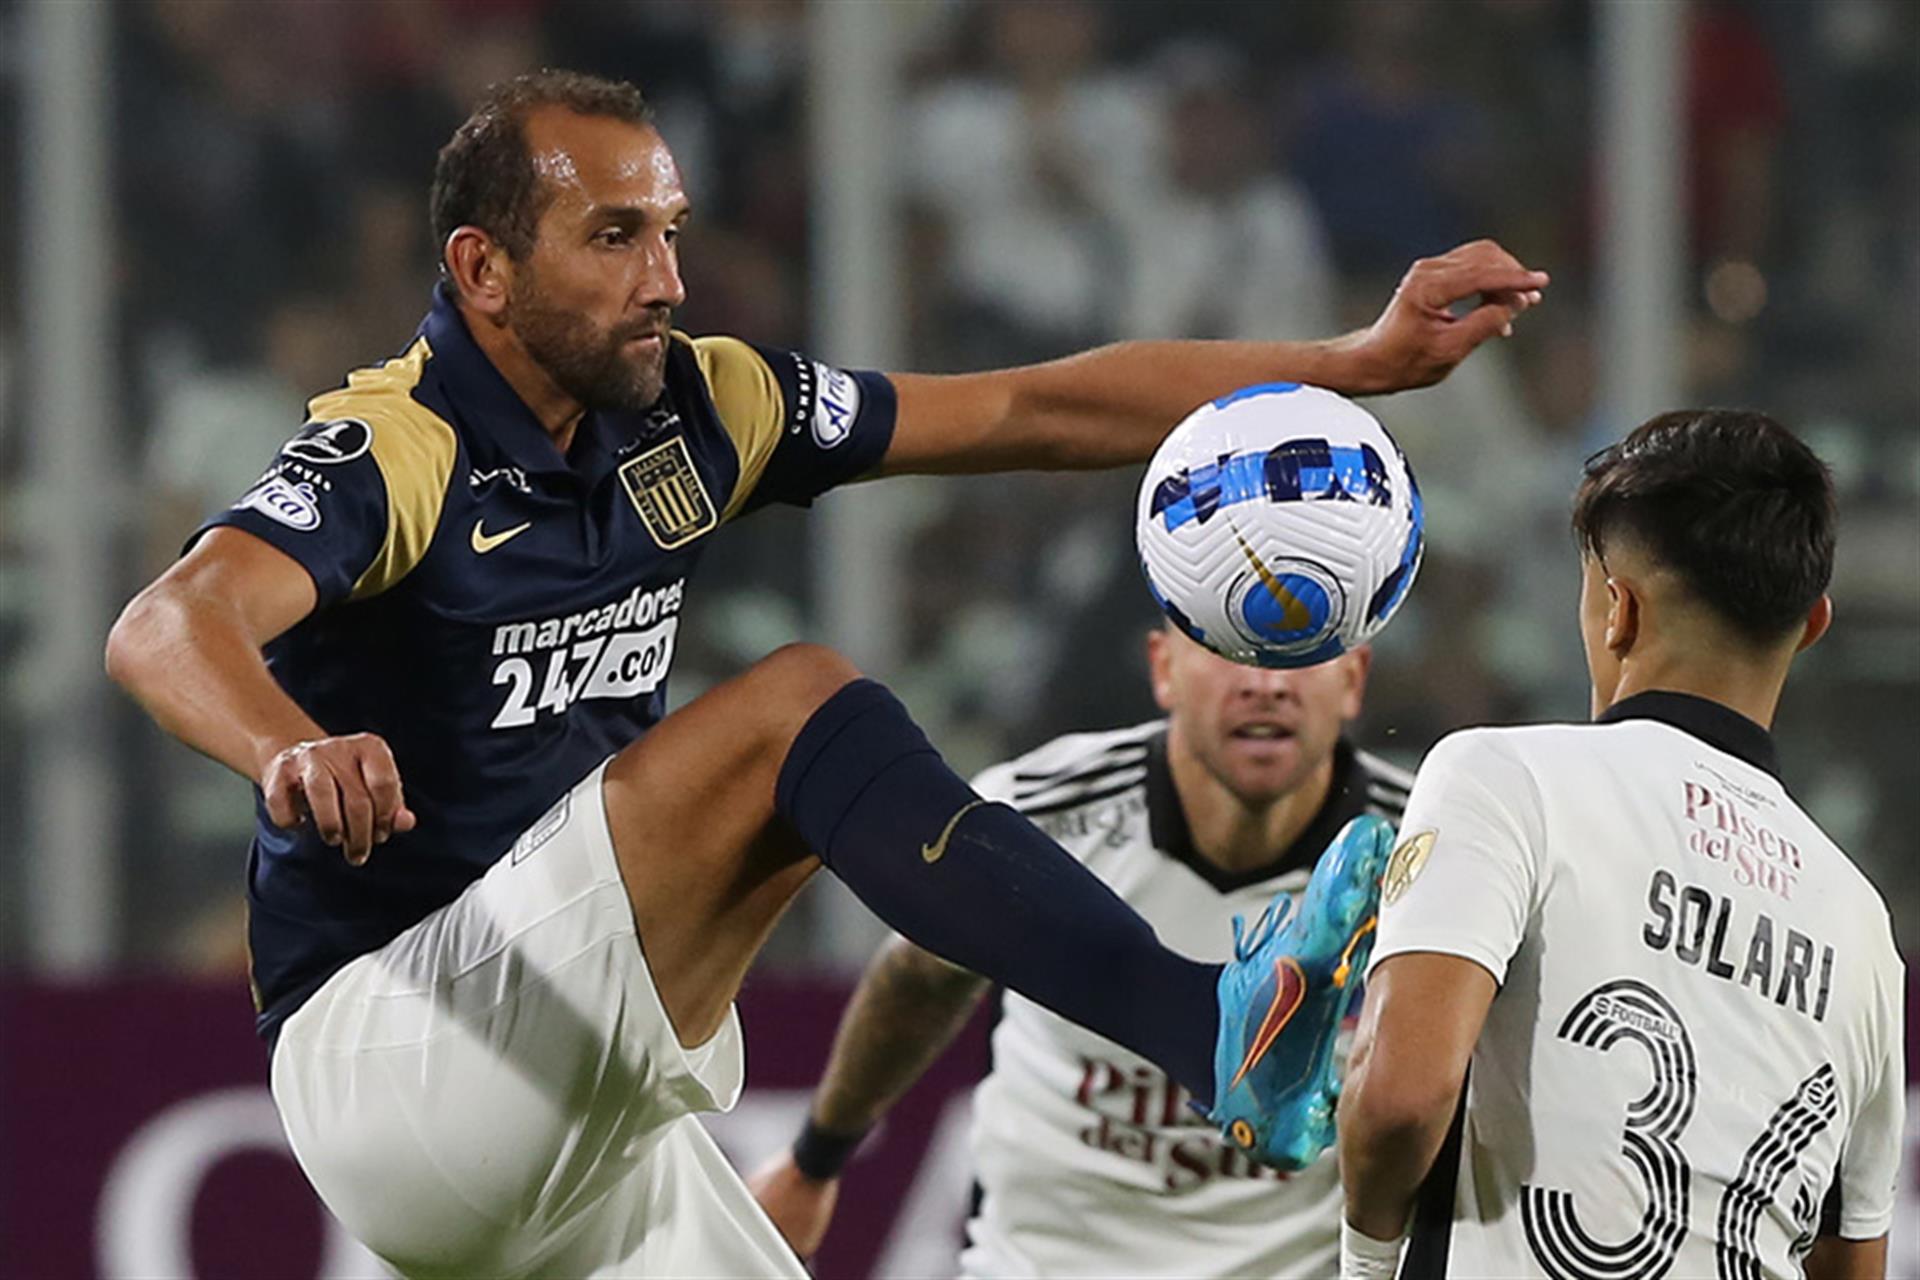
[{"x": 1280, "y": 525}]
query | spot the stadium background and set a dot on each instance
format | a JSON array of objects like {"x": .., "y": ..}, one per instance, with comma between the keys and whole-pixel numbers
[{"x": 212, "y": 208}]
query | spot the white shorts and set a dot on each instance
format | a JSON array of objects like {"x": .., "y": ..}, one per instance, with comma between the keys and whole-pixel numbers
[{"x": 498, "y": 1091}]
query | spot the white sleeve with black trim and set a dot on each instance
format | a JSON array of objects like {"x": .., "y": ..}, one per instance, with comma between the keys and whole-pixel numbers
[
  {"x": 1870, "y": 1160},
  {"x": 1462, "y": 878}
]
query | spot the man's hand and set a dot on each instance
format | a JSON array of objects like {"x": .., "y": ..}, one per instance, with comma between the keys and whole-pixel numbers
[
  {"x": 800, "y": 1206},
  {"x": 1418, "y": 339},
  {"x": 348, "y": 786}
]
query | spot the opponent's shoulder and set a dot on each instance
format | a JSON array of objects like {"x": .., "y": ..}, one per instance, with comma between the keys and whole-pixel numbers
[
  {"x": 1075, "y": 768},
  {"x": 1551, "y": 756},
  {"x": 1523, "y": 744},
  {"x": 1492, "y": 767},
  {"x": 1871, "y": 920}
]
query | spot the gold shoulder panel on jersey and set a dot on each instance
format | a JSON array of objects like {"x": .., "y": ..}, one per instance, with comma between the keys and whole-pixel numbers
[
  {"x": 751, "y": 407},
  {"x": 414, "y": 448}
]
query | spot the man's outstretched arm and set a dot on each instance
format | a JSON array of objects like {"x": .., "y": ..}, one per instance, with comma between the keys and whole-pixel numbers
[
  {"x": 1422, "y": 1015},
  {"x": 909, "y": 1006},
  {"x": 1111, "y": 406}
]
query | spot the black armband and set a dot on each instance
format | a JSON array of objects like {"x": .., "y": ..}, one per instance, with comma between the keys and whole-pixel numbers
[{"x": 821, "y": 1154}]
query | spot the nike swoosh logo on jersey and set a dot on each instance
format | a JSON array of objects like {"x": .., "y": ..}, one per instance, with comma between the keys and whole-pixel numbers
[
  {"x": 484, "y": 542},
  {"x": 937, "y": 850},
  {"x": 1289, "y": 993}
]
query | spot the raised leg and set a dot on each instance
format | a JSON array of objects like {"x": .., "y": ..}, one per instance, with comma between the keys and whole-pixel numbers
[
  {"x": 718, "y": 812},
  {"x": 708, "y": 865}
]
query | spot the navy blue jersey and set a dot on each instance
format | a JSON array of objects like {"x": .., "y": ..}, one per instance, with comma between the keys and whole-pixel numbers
[{"x": 503, "y": 615}]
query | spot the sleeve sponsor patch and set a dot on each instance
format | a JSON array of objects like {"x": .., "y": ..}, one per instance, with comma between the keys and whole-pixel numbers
[
  {"x": 833, "y": 426},
  {"x": 280, "y": 499},
  {"x": 836, "y": 404}
]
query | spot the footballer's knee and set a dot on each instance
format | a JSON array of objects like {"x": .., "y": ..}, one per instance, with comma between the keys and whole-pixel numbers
[{"x": 794, "y": 681}]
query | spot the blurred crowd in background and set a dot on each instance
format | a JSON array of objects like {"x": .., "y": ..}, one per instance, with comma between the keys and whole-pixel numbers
[{"x": 1072, "y": 173}]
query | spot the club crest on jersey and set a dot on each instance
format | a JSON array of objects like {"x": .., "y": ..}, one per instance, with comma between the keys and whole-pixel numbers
[
  {"x": 667, "y": 492},
  {"x": 1408, "y": 861}
]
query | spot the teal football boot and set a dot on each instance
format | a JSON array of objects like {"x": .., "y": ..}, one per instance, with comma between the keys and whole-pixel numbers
[{"x": 1283, "y": 997}]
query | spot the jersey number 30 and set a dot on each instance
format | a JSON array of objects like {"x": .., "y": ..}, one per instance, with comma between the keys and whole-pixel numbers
[{"x": 1629, "y": 1010}]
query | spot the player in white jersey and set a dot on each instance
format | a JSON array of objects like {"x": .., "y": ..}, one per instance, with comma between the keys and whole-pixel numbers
[
  {"x": 1087, "y": 1157},
  {"x": 1631, "y": 1013}
]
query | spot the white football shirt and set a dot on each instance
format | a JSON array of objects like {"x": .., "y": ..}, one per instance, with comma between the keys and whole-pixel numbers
[
  {"x": 1694, "y": 1063},
  {"x": 1089, "y": 1161}
]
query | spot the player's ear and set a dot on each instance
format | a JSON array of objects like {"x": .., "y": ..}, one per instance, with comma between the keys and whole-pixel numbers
[
  {"x": 1819, "y": 618},
  {"x": 479, "y": 269},
  {"x": 1160, "y": 666},
  {"x": 1357, "y": 664},
  {"x": 1623, "y": 616}
]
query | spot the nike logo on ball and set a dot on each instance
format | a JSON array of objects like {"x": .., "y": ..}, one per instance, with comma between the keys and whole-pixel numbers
[
  {"x": 1294, "y": 614},
  {"x": 935, "y": 851},
  {"x": 484, "y": 542}
]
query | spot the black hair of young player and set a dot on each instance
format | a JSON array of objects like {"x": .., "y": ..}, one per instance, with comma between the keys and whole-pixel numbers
[
  {"x": 485, "y": 178},
  {"x": 1730, "y": 500}
]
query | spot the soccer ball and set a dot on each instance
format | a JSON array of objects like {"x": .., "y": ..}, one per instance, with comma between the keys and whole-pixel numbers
[{"x": 1280, "y": 525}]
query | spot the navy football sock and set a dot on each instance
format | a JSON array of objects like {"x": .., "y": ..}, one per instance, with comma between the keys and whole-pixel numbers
[{"x": 979, "y": 884}]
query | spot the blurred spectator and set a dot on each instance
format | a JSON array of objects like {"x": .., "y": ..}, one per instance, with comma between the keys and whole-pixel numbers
[
  {"x": 1032, "y": 165},
  {"x": 1528, "y": 65},
  {"x": 1077, "y": 171},
  {"x": 212, "y": 434},
  {"x": 223, "y": 175},
  {"x": 1495, "y": 636},
  {"x": 214, "y": 430},
  {"x": 737, "y": 284},
  {"x": 1398, "y": 167},
  {"x": 1736, "y": 111},
  {"x": 397, "y": 110},
  {"x": 1226, "y": 247},
  {"x": 385, "y": 276},
  {"x": 1054, "y": 606}
]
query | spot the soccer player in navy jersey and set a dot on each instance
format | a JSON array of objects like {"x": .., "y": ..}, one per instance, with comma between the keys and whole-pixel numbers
[{"x": 440, "y": 624}]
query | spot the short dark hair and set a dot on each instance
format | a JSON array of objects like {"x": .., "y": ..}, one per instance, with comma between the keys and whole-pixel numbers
[
  {"x": 1728, "y": 499},
  {"x": 485, "y": 177}
]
